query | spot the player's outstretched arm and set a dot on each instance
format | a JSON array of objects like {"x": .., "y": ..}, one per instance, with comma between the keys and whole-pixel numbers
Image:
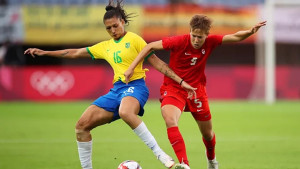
[
  {"x": 241, "y": 35},
  {"x": 66, "y": 53},
  {"x": 162, "y": 67},
  {"x": 157, "y": 45}
]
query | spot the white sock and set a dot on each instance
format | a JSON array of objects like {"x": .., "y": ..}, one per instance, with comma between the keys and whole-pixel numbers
[
  {"x": 143, "y": 132},
  {"x": 85, "y": 154},
  {"x": 215, "y": 159}
]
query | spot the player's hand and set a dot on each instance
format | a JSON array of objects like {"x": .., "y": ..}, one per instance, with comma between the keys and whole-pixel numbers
[
  {"x": 34, "y": 52},
  {"x": 256, "y": 27},
  {"x": 128, "y": 74},
  {"x": 191, "y": 90}
]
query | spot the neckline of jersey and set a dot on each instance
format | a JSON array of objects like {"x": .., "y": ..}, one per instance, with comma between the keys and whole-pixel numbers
[{"x": 118, "y": 41}]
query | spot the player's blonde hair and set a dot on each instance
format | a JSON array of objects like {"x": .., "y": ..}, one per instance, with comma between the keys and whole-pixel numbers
[{"x": 202, "y": 22}]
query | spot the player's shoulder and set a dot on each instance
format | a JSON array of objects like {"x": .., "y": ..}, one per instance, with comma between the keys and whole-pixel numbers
[
  {"x": 175, "y": 42},
  {"x": 133, "y": 35},
  {"x": 182, "y": 37},
  {"x": 177, "y": 38},
  {"x": 214, "y": 39},
  {"x": 214, "y": 36},
  {"x": 104, "y": 42}
]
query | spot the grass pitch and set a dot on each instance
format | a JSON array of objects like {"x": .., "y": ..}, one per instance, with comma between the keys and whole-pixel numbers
[{"x": 250, "y": 135}]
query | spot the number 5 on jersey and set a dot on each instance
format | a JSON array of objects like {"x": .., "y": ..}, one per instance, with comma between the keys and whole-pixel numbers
[
  {"x": 197, "y": 101},
  {"x": 194, "y": 60}
]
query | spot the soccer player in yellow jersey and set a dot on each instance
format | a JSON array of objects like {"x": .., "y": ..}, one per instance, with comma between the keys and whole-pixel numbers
[
  {"x": 120, "y": 54},
  {"x": 124, "y": 101}
]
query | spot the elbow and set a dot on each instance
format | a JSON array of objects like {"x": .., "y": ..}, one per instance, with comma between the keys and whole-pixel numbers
[
  {"x": 150, "y": 47},
  {"x": 74, "y": 56}
]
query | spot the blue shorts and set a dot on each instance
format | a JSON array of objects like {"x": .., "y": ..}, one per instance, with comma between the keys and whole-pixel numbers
[{"x": 112, "y": 100}]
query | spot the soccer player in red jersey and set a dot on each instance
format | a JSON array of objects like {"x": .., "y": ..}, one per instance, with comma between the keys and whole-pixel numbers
[{"x": 188, "y": 58}]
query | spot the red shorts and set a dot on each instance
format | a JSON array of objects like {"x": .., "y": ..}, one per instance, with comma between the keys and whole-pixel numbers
[{"x": 178, "y": 97}]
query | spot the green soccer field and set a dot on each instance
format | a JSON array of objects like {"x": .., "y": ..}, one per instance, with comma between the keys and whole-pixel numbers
[{"x": 250, "y": 135}]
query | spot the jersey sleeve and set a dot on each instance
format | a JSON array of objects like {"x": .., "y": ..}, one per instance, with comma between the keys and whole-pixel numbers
[
  {"x": 170, "y": 43},
  {"x": 139, "y": 43},
  {"x": 96, "y": 51},
  {"x": 215, "y": 40}
]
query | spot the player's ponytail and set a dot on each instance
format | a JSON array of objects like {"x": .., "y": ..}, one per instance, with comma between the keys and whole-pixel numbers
[{"x": 117, "y": 11}]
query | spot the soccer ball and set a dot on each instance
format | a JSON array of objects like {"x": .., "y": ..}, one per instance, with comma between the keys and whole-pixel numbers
[{"x": 129, "y": 164}]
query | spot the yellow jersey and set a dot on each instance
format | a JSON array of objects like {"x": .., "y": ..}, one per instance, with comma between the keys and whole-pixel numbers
[{"x": 120, "y": 54}]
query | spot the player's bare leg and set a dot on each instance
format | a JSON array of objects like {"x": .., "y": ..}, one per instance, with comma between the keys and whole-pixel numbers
[
  {"x": 92, "y": 117},
  {"x": 128, "y": 111},
  {"x": 209, "y": 140},
  {"x": 171, "y": 115}
]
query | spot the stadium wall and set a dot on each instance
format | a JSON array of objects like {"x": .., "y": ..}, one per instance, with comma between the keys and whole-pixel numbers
[
  {"x": 48, "y": 83},
  {"x": 72, "y": 25}
]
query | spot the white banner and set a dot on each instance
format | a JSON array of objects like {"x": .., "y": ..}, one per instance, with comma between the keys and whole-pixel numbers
[
  {"x": 287, "y": 24},
  {"x": 11, "y": 29}
]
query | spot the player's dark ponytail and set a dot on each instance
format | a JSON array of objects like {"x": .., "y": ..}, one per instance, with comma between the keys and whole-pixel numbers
[{"x": 117, "y": 11}]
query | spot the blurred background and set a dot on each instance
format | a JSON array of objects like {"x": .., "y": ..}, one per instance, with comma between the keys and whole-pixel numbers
[{"x": 263, "y": 67}]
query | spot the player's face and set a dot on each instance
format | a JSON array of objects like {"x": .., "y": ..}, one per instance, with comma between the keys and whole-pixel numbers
[
  {"x": 197, "y": 38},
  {"x": 115, "y": 27}
]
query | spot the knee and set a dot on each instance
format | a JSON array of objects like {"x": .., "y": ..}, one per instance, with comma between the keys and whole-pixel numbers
[
  {"x": 208, "y": 135},
  {"x": 82, "y": 132},
  {"x": 80, "y": 127},
  {"x": 79, "y": 132},
  {"x": 122, "y": 114},
  {"x": 170, "y": 121},
  {"x": 125, "y": 115}
]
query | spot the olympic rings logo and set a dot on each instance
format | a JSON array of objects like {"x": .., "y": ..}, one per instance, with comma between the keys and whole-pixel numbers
[{"x": 52, "y": 82}]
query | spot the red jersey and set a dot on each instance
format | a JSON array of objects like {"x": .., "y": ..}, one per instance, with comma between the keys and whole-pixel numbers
[{"x": 188, "y": 62}]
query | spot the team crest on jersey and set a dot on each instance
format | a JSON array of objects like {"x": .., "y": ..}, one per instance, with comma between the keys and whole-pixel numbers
[
  {"x": 203, "y": 51},
  {"x": 127, "y": 45}
]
